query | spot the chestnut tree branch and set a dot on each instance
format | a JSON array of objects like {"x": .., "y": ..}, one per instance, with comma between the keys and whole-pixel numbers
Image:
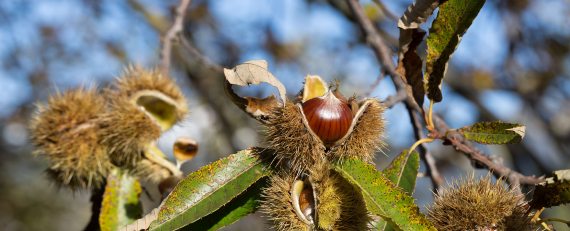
[
  {"x": 392, "y": 100},
  {"x": 458, "y": 141},
  {"x": 171, "y": 34},
  {"x": 384, "y": 56}
]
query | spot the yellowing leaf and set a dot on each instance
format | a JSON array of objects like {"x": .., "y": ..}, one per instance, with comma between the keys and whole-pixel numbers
[
  {"x": 453, "y": 20},
  {"x": 402, "y": 171},
  {"x": 205, "y": 191},
  {"x": 495, "y": 132},
  {"x": 121, "y": 204},
  {"x": 382, "y": 197}
]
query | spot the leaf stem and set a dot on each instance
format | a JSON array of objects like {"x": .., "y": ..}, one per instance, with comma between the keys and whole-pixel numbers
[
  {"x": 429, "y": 121},
  {"x": 550, "y": 219},
  {"x": 536, "y": 216},
  {"x": 421, "y": 141}
]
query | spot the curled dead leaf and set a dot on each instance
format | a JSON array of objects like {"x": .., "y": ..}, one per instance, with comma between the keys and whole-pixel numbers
[
  {"x": 254, "y": 72},
  {"x": 410, "y": 63}
]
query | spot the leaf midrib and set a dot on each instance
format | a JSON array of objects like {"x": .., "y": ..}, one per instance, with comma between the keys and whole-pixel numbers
[{"x": 205, "y": 196}]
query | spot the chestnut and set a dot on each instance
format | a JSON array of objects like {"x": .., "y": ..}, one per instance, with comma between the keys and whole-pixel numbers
[{"x": 328, "y": 117}]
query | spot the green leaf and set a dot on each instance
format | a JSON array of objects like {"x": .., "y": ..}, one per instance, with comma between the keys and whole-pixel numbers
[
  {"x": 121, "y": 204},
  {"x": 208, "y": 189},
  {"x": 452, "y": 21},
  {"x": 239, "y": 207},
  {"x": 402, "y": 171},
  {"x": 553, "y": 191},
  {"x": 382, "y": 197},
  {"x": 495, "y": 132}
]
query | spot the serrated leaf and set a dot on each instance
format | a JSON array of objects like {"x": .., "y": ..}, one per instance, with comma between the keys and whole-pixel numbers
[
  {"x": 121, "y": 204},
  {"x": 254, "y": 72},
  {"x": 411, "y": 36},
  {"x": 208, "y": 189},
  {"x": 246, "y": 203},
  {"x": 382, "y": 197},
  {"x": 553, "y": 191},
  {"x": 402, "y": 171},
  {"x": 452, "y": 21},
  {"x": 495, "y": 132},
  {"x": 417, "y": 13}
]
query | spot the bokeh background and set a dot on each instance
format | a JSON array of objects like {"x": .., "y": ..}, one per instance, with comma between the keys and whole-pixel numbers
[{"x": 513, "y": 64}]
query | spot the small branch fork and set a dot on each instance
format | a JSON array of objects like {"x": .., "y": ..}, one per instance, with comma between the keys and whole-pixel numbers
[
  {"x": 384, "y": 56},
  {"x": 171, "y": 34}
]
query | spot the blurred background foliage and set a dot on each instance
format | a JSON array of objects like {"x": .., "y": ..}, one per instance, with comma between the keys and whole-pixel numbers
[{"x": 513, "y": 64}]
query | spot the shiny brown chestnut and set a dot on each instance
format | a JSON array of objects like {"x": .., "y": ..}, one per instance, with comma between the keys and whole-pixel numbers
[{"x": 328, "y": 117}]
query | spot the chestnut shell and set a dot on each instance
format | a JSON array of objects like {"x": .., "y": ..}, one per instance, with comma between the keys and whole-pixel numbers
[{"x": 328, "y": 117}]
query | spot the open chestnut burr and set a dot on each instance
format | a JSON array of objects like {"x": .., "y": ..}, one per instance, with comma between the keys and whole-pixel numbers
[{"x": 320, "y": 123}]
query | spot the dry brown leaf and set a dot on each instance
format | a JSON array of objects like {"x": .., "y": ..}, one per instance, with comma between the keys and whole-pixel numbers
[
  {"x": 410, "y": 63},
  {"x": 417, "y": 13},
  {"x": 254, "y": 72}
]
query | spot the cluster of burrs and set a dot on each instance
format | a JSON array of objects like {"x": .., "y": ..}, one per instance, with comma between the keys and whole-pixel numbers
[
  {"x": 85, "y": 133},
  {"x": 305, "y": 136}
]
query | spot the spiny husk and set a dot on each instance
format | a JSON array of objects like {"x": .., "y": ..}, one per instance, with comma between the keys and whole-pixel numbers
[
  {"x": 130, "y": 129},
  {"x": 289, "y": 135},
  {"x": 480, "y": 205},
  {"x": 367, "y": 135},
  {"x": 67, "y": 131},
  {"x": 277, "y": 204},
  {"x": 151, "y": 171},
  {"x": 293, "y": 144},
  {"x": 339, "y": 206},
  {"x": 128, "y": 132},
  {"x": 136, "y": 79}
]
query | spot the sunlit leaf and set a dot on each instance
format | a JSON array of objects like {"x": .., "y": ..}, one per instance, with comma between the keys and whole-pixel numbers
[
  {"x": 382, "y": 197},
  {"x": 239, "y": 207},
  {"x": 402, "y": 171},
  {"x": 495, "y": 132},
  {"x": 453, "y": 20},
  {"x": 121, "y": 204},
  {"x": 205, "y": 191}
]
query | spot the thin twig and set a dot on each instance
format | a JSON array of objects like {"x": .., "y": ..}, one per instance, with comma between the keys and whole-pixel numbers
[
  {"x": 392, "y": 100},
  {"x": 425, "y": 155},
  {"x": 385, "y": 10},
  {"x": 171, "y": 34},
  {"x": 459, "y": 142},
  {"x": 201, "y": 58},
  {"x": 375, "y": 84}
]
